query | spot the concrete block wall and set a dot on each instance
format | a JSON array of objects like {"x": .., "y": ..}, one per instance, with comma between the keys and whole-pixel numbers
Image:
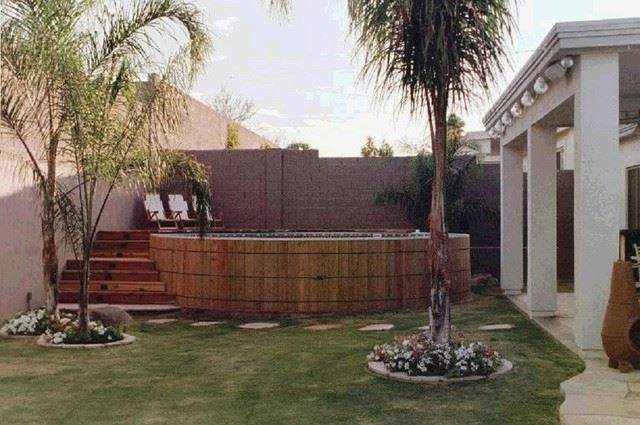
[{"x": 288, "y": 189}]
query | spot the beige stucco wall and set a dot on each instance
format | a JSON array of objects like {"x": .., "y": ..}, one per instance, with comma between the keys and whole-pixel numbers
[
  {"x": 206, "y": 129},
  {"x": 20, "y": 242}
]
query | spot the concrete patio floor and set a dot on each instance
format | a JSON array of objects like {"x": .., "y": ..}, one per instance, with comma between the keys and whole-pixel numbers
[{"x": 599, "y": 395}]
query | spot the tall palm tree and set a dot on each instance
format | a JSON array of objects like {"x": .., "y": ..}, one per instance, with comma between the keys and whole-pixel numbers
[
  {"x": 33, "y": 60},
  {"x": 69, "y": 81},
  {"x": 435, "y": 54}
]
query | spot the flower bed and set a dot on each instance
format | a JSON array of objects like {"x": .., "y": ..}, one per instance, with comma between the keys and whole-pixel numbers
[
  {"x": 67, "y": 331},
  {"x": 28, "y": 323},
  {"x": 419, "y": 355}
]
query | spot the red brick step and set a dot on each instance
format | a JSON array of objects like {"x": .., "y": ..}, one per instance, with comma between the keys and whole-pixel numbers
[
  {"x": 117, "y": 286},
  {"x": 105, "y": 253},
  {"x": 116, "y": 275},
  {"x": 102, "y": 263},
  {"x": 121, "y": 272},
  {"x": 121, "y": 245}
]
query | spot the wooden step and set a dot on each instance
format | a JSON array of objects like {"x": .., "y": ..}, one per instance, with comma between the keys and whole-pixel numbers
[
  {"x": 116, "y": 275},
  {"x": 105, "y": 253},
  {"x": 119, "y": 244},
  {"x": 101, "y": 263},
  {"x": 114, "y": 286},
  {"x": 106, "y": 297},
  {"x": 123, "y": 235}
]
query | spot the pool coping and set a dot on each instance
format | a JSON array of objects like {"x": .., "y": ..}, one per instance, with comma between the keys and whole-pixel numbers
[{"x": 374, "y": 236}]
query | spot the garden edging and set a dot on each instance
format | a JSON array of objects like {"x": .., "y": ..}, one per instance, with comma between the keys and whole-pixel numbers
[
  {"x": 128, "y": 339},
  {"x": 378, "y": 368}
]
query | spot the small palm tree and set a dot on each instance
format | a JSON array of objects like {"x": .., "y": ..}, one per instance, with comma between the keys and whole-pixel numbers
[{"x": 436, "y": 54}]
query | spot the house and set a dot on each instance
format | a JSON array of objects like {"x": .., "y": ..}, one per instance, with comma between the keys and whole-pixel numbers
[
  {"x": 575, "y": 104},
  {"x": 487, "y": 148}
]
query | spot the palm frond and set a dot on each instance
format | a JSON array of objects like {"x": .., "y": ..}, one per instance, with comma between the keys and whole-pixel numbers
[
  {"x": 20, "y": 168},
  {"x": 427, "y": 50},
  {"x": 127, "y": 33},
  {"x": 67, "y": 216},
  {"x": 280, "y": 9}
]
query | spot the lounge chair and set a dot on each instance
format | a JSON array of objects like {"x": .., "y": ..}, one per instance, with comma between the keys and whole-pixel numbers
[
  {"x": 214, "y": 219},
  {"x": 155, "y": 213},
  {"x": 180, "y": 212}
]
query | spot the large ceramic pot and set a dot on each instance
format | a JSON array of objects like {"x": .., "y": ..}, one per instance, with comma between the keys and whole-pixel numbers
[{"x": 622, "y": 319}]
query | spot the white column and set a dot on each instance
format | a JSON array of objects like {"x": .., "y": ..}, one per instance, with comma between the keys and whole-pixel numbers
[
  {"x": 541, "y": 221},
  {"x": 511, "y": 244},
  {"x": 598, "y": 187}
]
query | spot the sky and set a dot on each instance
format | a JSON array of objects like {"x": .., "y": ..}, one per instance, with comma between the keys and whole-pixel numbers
[{"x": 303, "y": 77}]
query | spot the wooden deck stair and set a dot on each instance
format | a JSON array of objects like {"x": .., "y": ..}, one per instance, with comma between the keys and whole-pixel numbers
[{"x": 121, "y": 272}]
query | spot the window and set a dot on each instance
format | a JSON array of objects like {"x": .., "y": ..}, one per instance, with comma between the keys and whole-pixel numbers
[{"x": 633, "y": 197}]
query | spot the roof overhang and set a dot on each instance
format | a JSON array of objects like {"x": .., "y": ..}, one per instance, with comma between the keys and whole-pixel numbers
[{"x": 566, "y": 39}]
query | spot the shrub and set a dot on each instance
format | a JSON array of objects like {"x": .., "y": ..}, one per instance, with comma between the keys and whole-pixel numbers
[
  {"x": 233, "y": 136},
  {"x": 27, "y": 323},
  {"x": 420, "y": 355}
]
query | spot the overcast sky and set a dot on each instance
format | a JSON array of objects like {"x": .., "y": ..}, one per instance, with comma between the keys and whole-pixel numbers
[{"x": 303, "y": 77}]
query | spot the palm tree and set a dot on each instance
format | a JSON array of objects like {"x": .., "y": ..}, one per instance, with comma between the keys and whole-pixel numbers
[{"x": 435, "y": 54}]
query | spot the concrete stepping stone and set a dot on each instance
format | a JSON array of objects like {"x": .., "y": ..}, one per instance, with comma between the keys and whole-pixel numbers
[
  {"x": 377, "y": 327},
  {"x": 161, "y": 321},
  {"x": 497, "y": 327},
  {"x": 259, "y": 325},
  {"x": 204, "y": 323},
  {"x": 324, "y": 327}
]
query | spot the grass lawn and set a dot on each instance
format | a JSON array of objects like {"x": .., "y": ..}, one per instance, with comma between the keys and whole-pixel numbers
[{"x": 177, "y": 374}]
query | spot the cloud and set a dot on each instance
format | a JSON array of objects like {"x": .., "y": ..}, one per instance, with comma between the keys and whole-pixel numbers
[
  {"x": 274, "y": 113},
  {"x": 615, "y": 8},
  {"x": 218, "y": 58},
  {"x": 224, "y": 25}
]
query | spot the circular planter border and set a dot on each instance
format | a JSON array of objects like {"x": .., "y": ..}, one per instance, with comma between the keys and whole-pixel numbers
[
  {"x": 128, "y": 339},
  {"x": 9, "y": 336},
  {"x": 378, "y": 368}
]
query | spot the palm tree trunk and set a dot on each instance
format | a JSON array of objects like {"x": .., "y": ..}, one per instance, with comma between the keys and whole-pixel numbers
[
  {"x": 49, "y": 246},
  {"x": 439, "y": 312},
  {"x": 83, "y": 302},
  {"x": 87, "y": 191}
]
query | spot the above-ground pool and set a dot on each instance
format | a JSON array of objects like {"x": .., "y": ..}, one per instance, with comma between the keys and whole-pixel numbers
[{"x": 304, "y": 272}]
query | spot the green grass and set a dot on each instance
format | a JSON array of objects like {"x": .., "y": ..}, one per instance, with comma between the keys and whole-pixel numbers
[{"x": 176, "y": 374}]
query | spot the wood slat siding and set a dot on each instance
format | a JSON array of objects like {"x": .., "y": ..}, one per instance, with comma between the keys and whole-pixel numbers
[{"x": 299, "y": 276}]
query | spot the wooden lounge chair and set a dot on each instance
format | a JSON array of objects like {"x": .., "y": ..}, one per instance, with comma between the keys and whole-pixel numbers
[
  {"x": 214, "y": 219},
  {"x": 180, "y": 212},
  {"x": 635, "y": 261},
  {"x": 155, "y": 213}
]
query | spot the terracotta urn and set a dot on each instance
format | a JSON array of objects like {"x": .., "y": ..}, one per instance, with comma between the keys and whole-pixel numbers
[{"x": 622, "y": 319}]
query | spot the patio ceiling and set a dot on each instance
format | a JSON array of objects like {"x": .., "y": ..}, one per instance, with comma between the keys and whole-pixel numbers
[{"x": 573, "y": 39}]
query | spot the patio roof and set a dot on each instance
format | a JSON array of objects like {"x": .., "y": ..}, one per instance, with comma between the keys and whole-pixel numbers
[{"x": 566, "y": 38}]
